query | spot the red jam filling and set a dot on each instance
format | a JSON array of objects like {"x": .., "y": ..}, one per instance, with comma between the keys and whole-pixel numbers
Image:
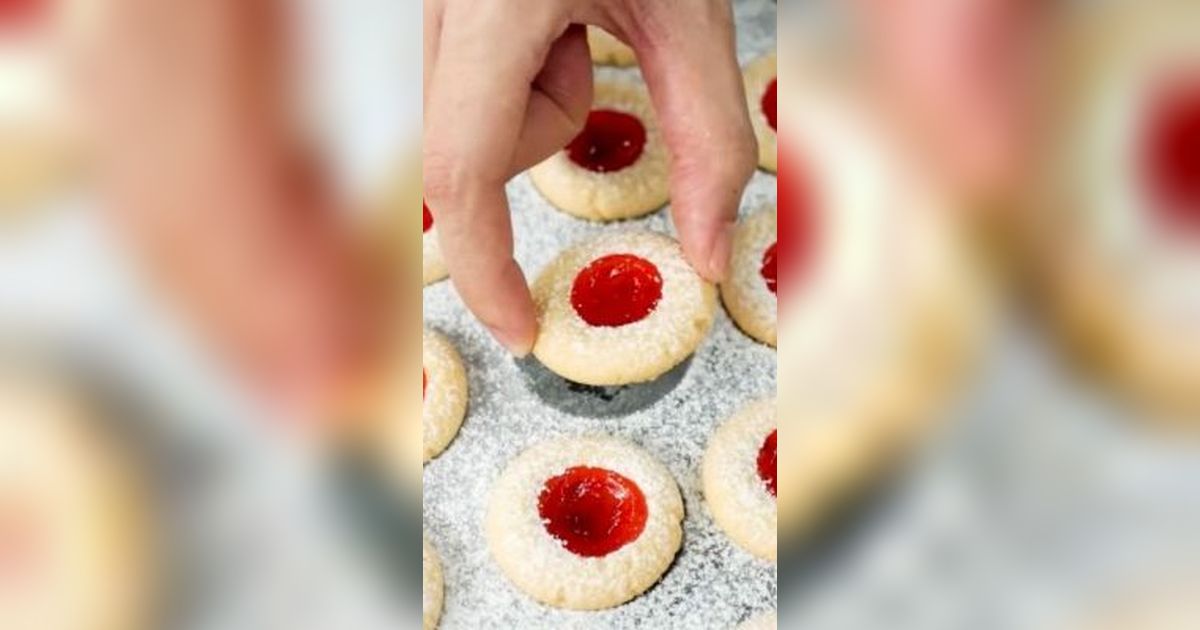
[
  {"x": 767, "y": 464},
  {"x": 797, "y": 226},
  {"x": 424, "y": 382},
  {"x": 769, "y": 270},
  {"x": 428, "y": 218},
  {"x": 616, "y": 290},
  {"x": 1171, "y": 154},
  {"x": 592, "y": 511},
  {"x": 609, "y": 142},
  {"x": 768, "y": 103}
]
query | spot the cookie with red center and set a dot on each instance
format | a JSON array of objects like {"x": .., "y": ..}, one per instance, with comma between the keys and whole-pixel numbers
[
  {"x": 739, "y": 476},
  {"x": 607, "y": 50},
  {"x": 444, "y": 393},
  {"x": 761, "y": 88},
  {"x": 616, "y": 168},
  {"x": 432, "y": 586},
  {"x": 75, "y": 522},
  {"x": 1117, "y": 226},
  {"x": 39, "y": 139},
  {"x": 750, "y": 290},
  {"x": 620, "y": 308},
  {"x": 584, "y": 523},
  {"x": 433, "y": 266}
]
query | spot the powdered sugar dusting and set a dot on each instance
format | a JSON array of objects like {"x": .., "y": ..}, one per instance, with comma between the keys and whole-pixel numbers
[{"x": 712, "y": 583}]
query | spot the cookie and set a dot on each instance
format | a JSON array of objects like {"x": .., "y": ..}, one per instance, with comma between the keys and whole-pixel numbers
[
  {"x": 760, "y": 79},
  {"x": 584, "y": 523},
  {"x": 444, "y": 390},
  {"x": 1115, "y": 224},
  {"x": 607, "y": 50},
  {"x": 432, "y": 586},
  {"x": 617, "y": 167},
  {"x": 75, "y": 520},
  {"x": 750, "y": 290},
  {"x": 740, "y": 478},
  {"x": 883, "y": 307},
  {"x": 764, "y": 621},
  {"x": 433, "y": 266},
  {"x": 619, "y": 308}
]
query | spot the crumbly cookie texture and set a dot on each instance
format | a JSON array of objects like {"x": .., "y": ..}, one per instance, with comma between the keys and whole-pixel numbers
[
  {"x": 737, "y": 496},
  {"x": 633, "y": 353},
  {"x": 432, "y": 586},
  {"x": 607, "y": 50},
  {"x": 539, "y": 565},
  {"x": 1119, "y": 280},
  {"x": 445, "y": 397},
  {"x": 749, "y": 301},
  {"x": 758, "y": 75},
  {"x": 433, "y": 266},
  {"x": 633, "y": 191},
  {"x": 75, "y": 522},
  {"x": 764, "y": 621}
]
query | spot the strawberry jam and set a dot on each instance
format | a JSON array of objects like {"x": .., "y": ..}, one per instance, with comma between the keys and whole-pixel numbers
[
  {"x": 428, "y": 217},
  {"x": 616, "y": 290},
  {"x": 767, "y": 464},
  {"x": 1170, "y": 154},
  {"x": 592, "y": 511},
  {"x": 768, "y": 103},
  {"x": 609, "y": 142},
  {"x": 769, "y": 270}
]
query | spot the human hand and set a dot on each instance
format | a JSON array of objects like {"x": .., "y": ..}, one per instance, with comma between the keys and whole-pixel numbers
[{"x": 509, "y": 82}]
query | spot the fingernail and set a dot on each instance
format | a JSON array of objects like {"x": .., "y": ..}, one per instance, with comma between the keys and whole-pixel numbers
[
  {"x": 518, "y": 345},
  {"x": 718, "y": 256}
]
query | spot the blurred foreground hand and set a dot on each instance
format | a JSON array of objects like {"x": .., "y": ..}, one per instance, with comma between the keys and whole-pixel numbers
[{"x": 190, "y": 110}]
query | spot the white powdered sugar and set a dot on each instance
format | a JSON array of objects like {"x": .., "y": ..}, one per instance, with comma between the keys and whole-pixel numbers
[{"x": 711, "y": 583}]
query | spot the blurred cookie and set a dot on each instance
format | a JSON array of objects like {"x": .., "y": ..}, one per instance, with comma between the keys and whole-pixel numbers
[
  {"x": 1115, "y": 223},
  {"x": 432, "y": 586}
]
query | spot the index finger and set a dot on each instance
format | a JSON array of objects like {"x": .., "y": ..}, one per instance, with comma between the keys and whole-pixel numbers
[{"x": 474, "y": 112}]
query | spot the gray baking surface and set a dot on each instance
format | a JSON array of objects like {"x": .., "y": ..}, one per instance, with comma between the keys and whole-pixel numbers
[{"x": 712, "y": 583}]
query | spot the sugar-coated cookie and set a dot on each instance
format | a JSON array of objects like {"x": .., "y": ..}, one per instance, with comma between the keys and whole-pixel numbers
[
  {"x": 761, "y": 85},
  {"x": 750, "y": 290},
  {"x": 764, "y": 621},
  {"x": 740, "y": 478},
  {"x": 76, "y": 529},
  {"x": 432, "y": 586},
  {"x": 444, "y": 390},
  {"x": 1116, "y": 229},
  {"x": 617, "y": 167},
  {"x": 584, "y": 523},
  {"x": 619, "y": 308},
  {"x": 433, "y": 266},
  {"x": 607, "y": 50}
]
